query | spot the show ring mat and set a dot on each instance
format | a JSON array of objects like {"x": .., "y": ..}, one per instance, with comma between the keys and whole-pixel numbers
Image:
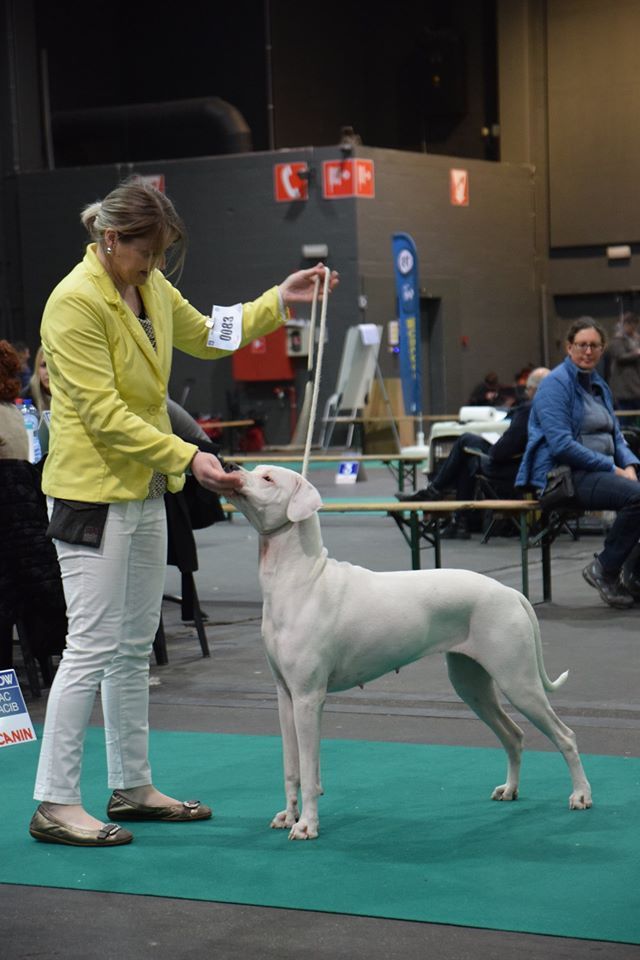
[{"x": 407, "y": 832}]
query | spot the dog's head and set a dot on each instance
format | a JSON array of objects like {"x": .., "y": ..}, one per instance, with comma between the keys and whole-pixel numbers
[{"x": 269, "y": 497}]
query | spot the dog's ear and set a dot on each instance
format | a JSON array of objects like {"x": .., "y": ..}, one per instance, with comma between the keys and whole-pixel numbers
[{"x": 304, "y": 502}]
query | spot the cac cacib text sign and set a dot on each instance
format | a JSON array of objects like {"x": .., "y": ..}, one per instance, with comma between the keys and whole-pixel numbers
[{"x": 15, "y": 722}]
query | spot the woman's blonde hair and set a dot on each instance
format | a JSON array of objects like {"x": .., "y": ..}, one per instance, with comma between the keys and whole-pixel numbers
[
  {"x": 40, "y": 396},
  {"x": 136, "y": 209}
]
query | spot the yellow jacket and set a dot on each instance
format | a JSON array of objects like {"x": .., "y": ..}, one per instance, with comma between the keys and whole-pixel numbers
[{"x": 110, "y": 429}]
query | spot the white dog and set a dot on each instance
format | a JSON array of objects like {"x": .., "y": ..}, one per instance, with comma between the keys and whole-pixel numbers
[{"x": 329, "y": 626}]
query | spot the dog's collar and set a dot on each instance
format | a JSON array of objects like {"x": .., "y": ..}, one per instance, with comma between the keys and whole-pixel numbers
[{"x": 283, "y": 526}]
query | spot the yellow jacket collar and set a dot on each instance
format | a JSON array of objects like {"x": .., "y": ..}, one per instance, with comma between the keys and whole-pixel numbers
[
  {"x": 100, "y": 275},
  {"x": 111, "y": 296}
]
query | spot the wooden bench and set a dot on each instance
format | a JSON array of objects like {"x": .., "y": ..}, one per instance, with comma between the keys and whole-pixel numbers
[
  {"x": 227, "y": 428},
  {"x": 420, "y": 522},
  {"x": 403, "y": 466}
]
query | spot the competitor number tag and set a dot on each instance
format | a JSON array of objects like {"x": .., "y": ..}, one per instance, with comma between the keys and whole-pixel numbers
[{"x": 225, "y": 331}]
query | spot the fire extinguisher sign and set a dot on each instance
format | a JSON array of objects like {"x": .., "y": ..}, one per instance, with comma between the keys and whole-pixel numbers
[
  {"x": 348, "y": 178},
  {"x": 459, "y": 188}
]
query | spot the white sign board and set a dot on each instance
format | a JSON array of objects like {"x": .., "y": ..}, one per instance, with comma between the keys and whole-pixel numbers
[
  {"x": 348, "y": 471},
  {"x": 15, "y": 722},
  {"x": 358, "y": 365}
]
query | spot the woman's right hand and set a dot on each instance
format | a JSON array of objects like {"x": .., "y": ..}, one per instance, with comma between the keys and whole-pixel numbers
[
  {"x": 299, "y": 287},
  {"x": 210, "y": 473},
  {"x": 628, "y": 472}
]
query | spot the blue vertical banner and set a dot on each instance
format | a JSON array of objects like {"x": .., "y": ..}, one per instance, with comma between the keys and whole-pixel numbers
[{"x": 405, "y": 265}]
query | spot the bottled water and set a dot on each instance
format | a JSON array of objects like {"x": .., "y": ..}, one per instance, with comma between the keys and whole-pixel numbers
[{"x": 30, "y": 417}]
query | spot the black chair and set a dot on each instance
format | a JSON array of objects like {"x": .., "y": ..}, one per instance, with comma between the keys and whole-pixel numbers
[
  {"x": 183, "y": 554},
  {"x": 490, "y": 487},
  {"x": 193, "y": 508},
  {"x": 32, "y": 604},
  {"x": 38, "y": 668},
  {"x": 632, "y": 436}
]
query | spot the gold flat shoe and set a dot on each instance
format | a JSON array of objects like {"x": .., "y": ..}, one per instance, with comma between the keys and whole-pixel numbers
[
  {"x": 124, "y": 809},
  {"x": 46, "y": 828}
]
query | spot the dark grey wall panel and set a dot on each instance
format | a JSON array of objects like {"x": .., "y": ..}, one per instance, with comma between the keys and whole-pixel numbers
[
  {"x": 606, "y": 309},
  {"x": 484, "y": 251},
  {"x": 52, "y": 239},
  {"x": 477, "y": 260},
  {"x": 588, "y": 270},
  {"x": 241, "y": 242},
  {"x": 594, "y": 137}
]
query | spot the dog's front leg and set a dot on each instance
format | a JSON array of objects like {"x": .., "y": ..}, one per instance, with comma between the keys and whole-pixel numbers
[
  {"x": 287, "y": 818},
  {"x": 307, "y": 711}
]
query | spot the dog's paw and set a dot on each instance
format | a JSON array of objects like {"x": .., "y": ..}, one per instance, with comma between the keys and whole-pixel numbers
[
  {"x": 505, "y": 792},
  {"x": 303, "y": 831},
  {"x": 580, "y": 800},
  {"x": 283, "y": 820}
]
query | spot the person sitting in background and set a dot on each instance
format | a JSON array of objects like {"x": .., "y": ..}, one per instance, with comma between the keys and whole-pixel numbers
[
  {"x": 489, "y": 393},
  {"x": 187, "y": 428},
  {"x": 461, "y": 466},
  {"x": 624, "y": 356},
  {"x": 37, "y": 388},
  {"x": 31, "y": 593},
  {"x": 14, "y": 443},
  {"x": 572, "y": 422},
  {"x": 520, "y": 383},
  {"x": 24, "y": 355}
]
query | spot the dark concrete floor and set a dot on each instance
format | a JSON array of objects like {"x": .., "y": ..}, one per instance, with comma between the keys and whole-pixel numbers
[{"x": 232, "y": 692}]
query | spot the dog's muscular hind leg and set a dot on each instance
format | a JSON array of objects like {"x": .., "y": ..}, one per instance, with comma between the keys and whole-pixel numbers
[
  {"x": 285, "y": 819},
  {"x": 473, "y": 684},
  {"x": 534, "y": 705}
]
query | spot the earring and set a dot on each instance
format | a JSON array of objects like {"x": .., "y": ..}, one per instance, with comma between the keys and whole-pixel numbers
[{"x": 109, "y": 249}]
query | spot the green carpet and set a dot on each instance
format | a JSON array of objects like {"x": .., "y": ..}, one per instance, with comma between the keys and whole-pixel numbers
[{"x": 407, "y": 832}]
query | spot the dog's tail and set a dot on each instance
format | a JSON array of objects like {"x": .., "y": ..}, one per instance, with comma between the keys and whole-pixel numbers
[{"x": 548, "y": 684}]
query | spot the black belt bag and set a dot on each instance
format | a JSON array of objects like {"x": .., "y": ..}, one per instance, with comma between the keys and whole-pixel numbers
[
  {"x": 559, "y": 491},
  {"x": 74, "y": 521}
]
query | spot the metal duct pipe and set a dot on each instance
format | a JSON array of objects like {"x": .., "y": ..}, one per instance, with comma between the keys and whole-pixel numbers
[{"x": 204, "y": 126}]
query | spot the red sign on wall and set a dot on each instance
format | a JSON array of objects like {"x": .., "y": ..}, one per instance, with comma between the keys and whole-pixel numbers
[
  {"x": 347, "y": 178},
  {"x": 265, "y": 358},
  {"x": 289, "y": 184},
  {"x": 365, "y": 181},
  {"x": 337, "y": 179},
  {"x": 154, "y": 179},
  {"x": 459, "y": 188}
]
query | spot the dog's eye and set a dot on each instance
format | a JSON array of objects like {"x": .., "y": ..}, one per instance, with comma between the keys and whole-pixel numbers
[{"x": 268, "y": 478}]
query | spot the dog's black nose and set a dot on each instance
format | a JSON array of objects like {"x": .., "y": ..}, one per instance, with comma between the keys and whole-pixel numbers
[{"x": 230, "y": 467}]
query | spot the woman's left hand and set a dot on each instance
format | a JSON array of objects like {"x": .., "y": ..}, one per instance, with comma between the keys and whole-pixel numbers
[
  {"x": 210, "y": 473},
  {"x": 299, "y": 286},
  {"x": 629, "y": 472}
]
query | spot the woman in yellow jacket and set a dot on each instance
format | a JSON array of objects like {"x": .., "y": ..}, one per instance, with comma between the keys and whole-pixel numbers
[{"x": 108, "y": 332}]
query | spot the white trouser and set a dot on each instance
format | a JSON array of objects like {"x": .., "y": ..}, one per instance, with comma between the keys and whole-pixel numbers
[{"x": 114, "y": 598}]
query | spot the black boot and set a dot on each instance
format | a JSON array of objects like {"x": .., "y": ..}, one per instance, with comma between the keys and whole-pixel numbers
[
  {"x": 608, "y": 586},
  {"x": 426, "y": 493},
  {"x": 456, "y": 529}
]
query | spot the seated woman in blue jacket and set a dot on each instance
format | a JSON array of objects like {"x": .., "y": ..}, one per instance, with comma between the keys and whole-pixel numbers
[{"x": 572, "y": 422}]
